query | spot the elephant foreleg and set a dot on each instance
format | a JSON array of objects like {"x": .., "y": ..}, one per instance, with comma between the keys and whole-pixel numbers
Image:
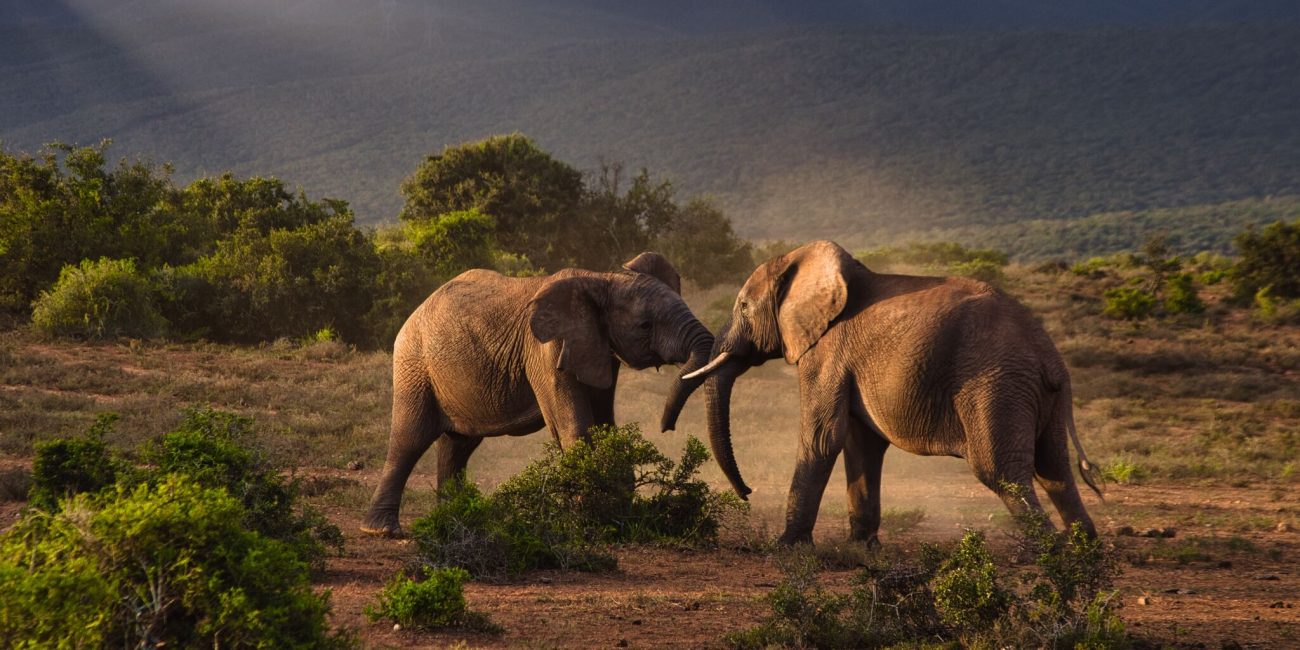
[
  {"x": 823, "y": 419},
  {"x": 454, "y": 451},
  {"x": 864, "y": 459},
  {"x": 414, "y": 429}
]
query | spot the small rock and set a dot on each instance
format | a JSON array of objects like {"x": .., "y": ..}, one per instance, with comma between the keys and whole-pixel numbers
[
  {"x": 1278, "y": 605},
  {"x": 397, "y": 627},
  {"x": 1126, "y": 531},
  {"x": 622, "y": 643},
  {"x": 636, "y": 621},
  {"x": 546, "y": 580},
  {"x": 1267, "y": 576},
  {"x": 1151, "y": 532},
  {"x": 356, "y": 465},
  {"x": 1225, "y": 564},
  {"x": 1229, "y": 644},
  {"x": 1143, "y": 600},
  {"x": 1180, "y": 591},
  {"x": 1168, "y": 532},
  {"x": 1283, "y": 527},
  {"x": 693, "y": 606}
]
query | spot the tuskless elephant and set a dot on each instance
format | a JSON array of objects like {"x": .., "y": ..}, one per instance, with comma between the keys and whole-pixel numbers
[
  {"x": 934, "y": 366},
  {"x": 489, "y": 355}
]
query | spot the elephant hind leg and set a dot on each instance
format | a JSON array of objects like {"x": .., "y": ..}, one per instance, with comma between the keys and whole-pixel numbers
[
  {"x": 864, "y": 457},
  {"x": 1000, "y": 451},
  {"x": 454, "y": 451},
  {"x": 1054, "y": 474},
  {"x": 415, "y": 427}
]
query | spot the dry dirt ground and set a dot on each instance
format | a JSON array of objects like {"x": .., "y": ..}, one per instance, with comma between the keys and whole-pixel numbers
[{"x": 1223, "y": 578}]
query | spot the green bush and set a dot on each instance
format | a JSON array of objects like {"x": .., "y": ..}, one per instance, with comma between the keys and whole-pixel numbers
[
  {"x": 1180, "y": 295},
  {"x": 215, "y": 449},
  {"x": 1123, "y": 471},
  {"x": 1128, "y": 303},
  {"x": 1273, "y": 310},
  {"x": 560, "y": 510},
  {"x": 1268, "y": 258},
  {"x": 163, "y": 564},
  {"x": 491, "y": 541},
  {"x": 210, "y": 447},
  {"x": 437, "y": 601},
  {"x": 71, "y": 466},
  {"x": 982, "y": 270},
  {"x": 954, "y": 596},
  {"x": 967, "y": 591},
  {"x": 99, "y": 299}
]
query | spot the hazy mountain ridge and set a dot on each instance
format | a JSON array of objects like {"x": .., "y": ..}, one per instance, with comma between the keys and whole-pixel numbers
[{"x": 800, "y": 130}]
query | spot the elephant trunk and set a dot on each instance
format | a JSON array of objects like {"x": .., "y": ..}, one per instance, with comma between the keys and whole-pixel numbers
[
  {"x": 717, "y": 391},
  {"x": 700, "y": 342}
]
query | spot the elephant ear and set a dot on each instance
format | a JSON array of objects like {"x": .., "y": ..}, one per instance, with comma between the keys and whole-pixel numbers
[
  {"x": 565, "y": 310},
  {"x": 657, "y": 266},
  {"x": 813, "y": 292}
]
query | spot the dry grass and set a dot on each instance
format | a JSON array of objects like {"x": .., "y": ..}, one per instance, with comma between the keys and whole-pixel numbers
[{"x": 1213, "y": 399}]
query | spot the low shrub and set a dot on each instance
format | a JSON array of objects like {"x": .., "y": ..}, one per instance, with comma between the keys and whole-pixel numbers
[
  {"x": 484, "y": 536},
  {"x": 73, "y": 465},
  {"x": 1123, "y": 471},
  {"x": 435, "y": 602},
  {"x": 158, "y": 564},
  {"x": 1271, "y": 309},
  {"x": 99, "y": 299},
  {"x": 216, "y": 449},
  {"x": 561, "y": 510},
  {"x": 1128, "y": 303},
  {"x": 1180, "y": 295},
  {"x": 213, "y": 449},
  {"x": 980, "y": 269},
  {"x": 954, "y": 596}
]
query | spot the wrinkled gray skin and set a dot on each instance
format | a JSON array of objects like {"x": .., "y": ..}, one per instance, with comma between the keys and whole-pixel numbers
[
  {"x": 490, "y": 355},
  {"x": 934, "y": 366}
]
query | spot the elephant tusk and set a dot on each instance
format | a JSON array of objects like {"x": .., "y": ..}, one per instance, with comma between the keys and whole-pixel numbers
[{"x": 713, "y": 365}]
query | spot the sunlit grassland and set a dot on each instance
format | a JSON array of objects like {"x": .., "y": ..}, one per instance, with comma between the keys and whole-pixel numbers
[{"x": 1210, "y": 399}]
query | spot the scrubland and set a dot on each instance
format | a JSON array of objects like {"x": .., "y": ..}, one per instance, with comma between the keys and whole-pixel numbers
[{"x": 1194, "y": 420}]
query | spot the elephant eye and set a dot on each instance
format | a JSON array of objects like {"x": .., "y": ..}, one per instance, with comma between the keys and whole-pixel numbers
[
  {"x": 645, "y": 325},
  {"x": 744, "y": 308}
]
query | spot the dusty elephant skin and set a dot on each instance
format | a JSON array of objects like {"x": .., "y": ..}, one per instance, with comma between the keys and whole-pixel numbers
[
  {"x": 934, "y": 366},
  {"x": 489, "y": 355}
]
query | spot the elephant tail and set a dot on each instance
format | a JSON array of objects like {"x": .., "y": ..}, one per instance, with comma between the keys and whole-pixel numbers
[{"x": 1087, "y": 470}]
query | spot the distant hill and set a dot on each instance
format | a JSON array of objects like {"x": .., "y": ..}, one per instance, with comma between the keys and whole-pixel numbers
[{"x": 858, "y": 120}]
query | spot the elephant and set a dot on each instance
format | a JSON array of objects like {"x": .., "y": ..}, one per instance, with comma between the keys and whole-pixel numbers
[
  {"x": 489, "y": 355},
  {"x": 934, "y": 366}
]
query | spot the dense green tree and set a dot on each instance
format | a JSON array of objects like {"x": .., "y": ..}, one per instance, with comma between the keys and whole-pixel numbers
[
  {"x": 703, "y": 246},
  {"x": 532, "y": 197},
  {"x": 67, "y": 205},
  {"x": 623, "y": 216},
  {"x": 1270, "y": 258}
]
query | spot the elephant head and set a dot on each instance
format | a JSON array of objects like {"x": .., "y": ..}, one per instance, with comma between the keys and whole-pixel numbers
[
  {"x": 636, "y": 316},
  {"x": 782, "y": 310}
]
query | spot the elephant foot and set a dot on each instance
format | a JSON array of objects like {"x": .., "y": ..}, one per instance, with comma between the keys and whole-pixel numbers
[
  {"x": 871, "y": 540},
  {"x": 794, "y": 539},
  {"x": 382, "y": 526}
]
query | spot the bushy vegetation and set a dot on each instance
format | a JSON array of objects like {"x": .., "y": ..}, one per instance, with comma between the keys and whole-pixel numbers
[
  {"x": 565, "y": 508},
  {"x": 1268, "y": 258},
  {"x": 162, "y": 563},
  {"x": 953, "y": 595},
  {"x": 214, "y": 450},
  {"x": 124, "y": 251},
  {"x": 436, "y": 601},
  {"x": 940, "y": 258},
  {"x": 98, "y": 299}
]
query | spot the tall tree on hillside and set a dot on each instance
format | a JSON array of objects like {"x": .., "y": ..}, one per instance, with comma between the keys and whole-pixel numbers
[{"x": 532, "y": 197}]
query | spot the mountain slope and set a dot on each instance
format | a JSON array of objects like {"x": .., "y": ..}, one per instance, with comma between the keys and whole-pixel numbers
[{"x": 799, "y": 127}]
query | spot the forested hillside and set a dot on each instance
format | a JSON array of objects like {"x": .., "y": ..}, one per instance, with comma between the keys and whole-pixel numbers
[{"x": 813, "y": 121}]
